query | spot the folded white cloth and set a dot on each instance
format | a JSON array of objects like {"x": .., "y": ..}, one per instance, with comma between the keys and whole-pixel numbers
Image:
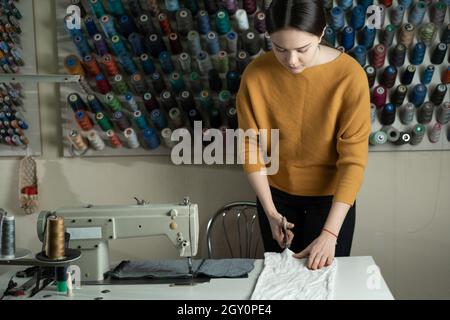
[{"x": 287, "y": 278}]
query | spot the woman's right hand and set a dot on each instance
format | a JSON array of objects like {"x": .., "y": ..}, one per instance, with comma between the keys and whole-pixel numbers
[{"x": 276, "y": 221}]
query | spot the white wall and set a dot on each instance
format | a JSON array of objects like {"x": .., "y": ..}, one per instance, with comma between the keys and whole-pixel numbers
[{"x": 403, "y": 209}]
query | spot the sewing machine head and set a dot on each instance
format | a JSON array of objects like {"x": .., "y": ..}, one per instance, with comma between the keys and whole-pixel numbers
[{"x": 91, "y": 228}]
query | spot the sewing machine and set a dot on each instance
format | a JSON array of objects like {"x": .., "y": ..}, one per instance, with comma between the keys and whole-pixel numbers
[{"x": 92, "y": 227}]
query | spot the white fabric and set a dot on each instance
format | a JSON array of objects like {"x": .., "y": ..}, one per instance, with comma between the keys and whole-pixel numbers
[{"x": 287, "y": 278}]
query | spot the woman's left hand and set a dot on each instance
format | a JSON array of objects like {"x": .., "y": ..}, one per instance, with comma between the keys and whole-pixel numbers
[{"x": 320, "y": 251}]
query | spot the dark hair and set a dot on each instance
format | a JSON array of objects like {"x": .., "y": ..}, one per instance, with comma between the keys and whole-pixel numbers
[{"x": 304, "y": 15}]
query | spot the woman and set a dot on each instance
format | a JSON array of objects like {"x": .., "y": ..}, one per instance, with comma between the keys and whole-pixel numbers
[{"x": 319, "y": 99}]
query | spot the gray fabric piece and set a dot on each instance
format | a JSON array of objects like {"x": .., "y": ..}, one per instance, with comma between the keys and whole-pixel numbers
[{"x": 213, "y": 268}]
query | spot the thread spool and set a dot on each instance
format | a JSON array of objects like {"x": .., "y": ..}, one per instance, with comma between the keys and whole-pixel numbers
[
  {"x": 114, "y": 139},
  {"x": 392, "y": 133},
  {"x": 186, "y": 100},
  {"x": 425, "y": 113},
  {"x": 418, "y": 94},
  {"x": 145, "y": 25},
  {"x": 443, "y": 113},
  {"x": 399, "y": 95},
  {"x": 388, "y": 35},
  {"x": 379, "y": 55},
  {"x": 193, "y": 39},
  {"x": 77, "y": 141},
  {"x": 140, "y": 120},
  {"x": 151, "y": 139},
  {"x": 135, "y": 41},
  {"x": 337, "y": 18},
  {"x": 215, "y": 83},
  {"x": 158, "y": 82},
  {"x": 94, "y": 104},
  {"x": 348, "y": 38},
  {"x": 242, "y": 20},
  {"x": 399, "y": 55},
  {"x": 377, "y": 138},
  {"x": 131, "y": 138},
  {"x": 8, "y": 236},
  {"x": 138, "y": 84},
  {"x": 122, "y": 120},
  {"x": 231, "y": 115},
  {"x": 438, "y": 55},
  {"x": 418, "y": 54},
  {"x": 408, "y": 75},
  {"x": 158, "y": 119},
  {"x": 156, "y": 45},
  {"x": 100, "y": 44},
  {"x": 76, "y": 102},
  {"x": 165, "y": 60},
  {"x": 397, "y": 15},
  {"x": 113, "y": 102},
  {"x": 371, "y": 75},
  {"x": 379, "y": 96},
  {"x": 103, "y": 122},
  {"x": 260, "y": 22},
  {"x": 373, "y": 113},
  {"x": 388, "y": 114},
  {"x": 175, "y": 43},
  {"x": 203, "y": 22},
  {"x": 127, "y": 26},
  {"x": 119, "y": 85},
  {"x": 223, "y": 24},
  {"x": 389, "y": 76},
  {"x": 212, "y": 42},
  {"x": 418, "y": 13},
  {"x": 73, "y": 65},
  {"x": 184, "y": 21},
  {"x": 435, "y": 133},
  {"x": 168, "y": 100},
  {"x": 251, "y": 43},
  {"x": 406, "y": 35},
  {"x": 417, "y": 134},
  {"x": 83, "y": 120},
  {"x": 184, "y": 61},
  {"x": 427, "y": 33},
  {"x": 150, "y": 102},
  {"x": 176, "y": 117},
  {"x": 95, "y": 141},
  {"x": 368, "y": 37},
  {"x": 110, "y": 65},
  {"x": 427, "y": 75},
  {"x": 55, "y": 238},
  {"x": 438, "y": 94},
  {"x": 204, "y": 62},
  {"x": 360, "y": 55},
  {"x": 131, "y": 101},
  {"x": 405, "y": 138},
  {"x": 437, "y": 12}
]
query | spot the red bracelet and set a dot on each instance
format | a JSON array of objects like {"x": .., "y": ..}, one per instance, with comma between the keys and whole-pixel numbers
[{"x": 330, "y": 232}]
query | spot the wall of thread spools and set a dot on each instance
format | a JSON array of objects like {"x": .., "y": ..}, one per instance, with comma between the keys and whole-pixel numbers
[
  {"x": 19, "y": 104},
  {"x": 150, "y": 67},
  {"x": 407, "y": 65}
]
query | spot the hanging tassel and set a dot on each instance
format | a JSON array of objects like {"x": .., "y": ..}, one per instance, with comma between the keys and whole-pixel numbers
[{"x": 28, "y": 190}]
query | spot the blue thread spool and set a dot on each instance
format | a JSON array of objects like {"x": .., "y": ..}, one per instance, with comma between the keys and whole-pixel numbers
[
  {"x": 100, "y": 45},
  {"x": 427, "y": 75},
  {"x": 408, "y": 75},
  {"x": 365, "y": 4},
  {"x": 418, "y": 13},
  {"x": 147, "y": 64},
  {"x": 128, "y": 63},
  {"x": 346, "y": 5},
  {"x": 389, "y": 76},
  {"x": 348, "y": 38},
  {"x": 151, "y": 138},
  {"x": 418, "y": 95},
  {"x": 156, "y": 45},
  {"x": 126, "y": 26},
  {"x": 118, "y": 46},
  {"x": 90, "y": 25},
  {"x": 445, "y": 38},
  {"x": 97, "y": 8},
  {"x": 107, "y": 24},
  {"x": 388, "y": 114},
  {"x": 193, "y": 6},
  {"x": 82, "y": 45},
  {"x": 203, "y": 23},
  {"x": 358, "y": 18},
  {"x": 165, "y": 60},
  {"x": 337, "y": 18},
  {"x": 22, "y": 124},
  {"x": 223, "y": 24},
  {"x": 75, "y": 102},
  {"x": 418, "y": 54},
  {"x": 116, "y": 7},
  {"x": 140, "y": 120},
  {"x": 233, "y": 81},
  {"x": 136, "y": 43},
  {"x": 360, "y": 55},
  {"x": 158, "y": 119},
  {"x": 94, "y": 104},
  {"x": 397, "y": 15},
  {"x": 212, "y": 41},
  {"x": 406, "y": 3},
  {"x": 330, "y": 36},
  {"x": 368, "y": 37},
  {"x": 172, "y": 5}
]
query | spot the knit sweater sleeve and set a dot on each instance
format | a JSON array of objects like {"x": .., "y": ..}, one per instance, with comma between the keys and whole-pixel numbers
[
  {"x": 245, "y": 107},
  {"x": 352, "y": 138}
]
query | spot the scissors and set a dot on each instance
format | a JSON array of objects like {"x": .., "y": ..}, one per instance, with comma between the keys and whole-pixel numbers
[{"x": 285, "y": 230}]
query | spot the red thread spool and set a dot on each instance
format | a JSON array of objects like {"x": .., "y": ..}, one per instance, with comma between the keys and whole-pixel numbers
[
  {"x": 387, "y": 3},
  {"x": 164, "y": 23},
  {"x": 103, "y": 85},
  {"x": 110, "y": 65},
  {"x": 446, "y": 76},
  {"x": 378, "y": 56},
  {"x": 114, "y": 139},
  {"x": 84, "y": 121},
  {"x": 150, "y": 102},
  {"x": 379, "y": 96},
  {"x": 91, "y": 65}
]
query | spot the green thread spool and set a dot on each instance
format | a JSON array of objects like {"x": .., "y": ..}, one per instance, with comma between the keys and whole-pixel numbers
[
  {"x": 103, "y": 122},
  {"x": 113, "y": 102},
  {"x": 417, "y": 134},
  {"x": 61, "y": 286},
  {"x": 224, "y": 99},
  {"x": 378, "y": 138},
  {"x": 176, "y": 82},
  {"x": 119, "y": 85},
  {"x": 196, "y": 84},
  {"x": 427, "y": 33},
  {"x": 222, "y": 22},
  {"x": 223, "y": 62},
  {"x": 206, "y": 101}
]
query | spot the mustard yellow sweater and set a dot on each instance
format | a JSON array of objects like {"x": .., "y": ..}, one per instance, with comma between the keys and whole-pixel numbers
[{"x": 323, "y": 117}]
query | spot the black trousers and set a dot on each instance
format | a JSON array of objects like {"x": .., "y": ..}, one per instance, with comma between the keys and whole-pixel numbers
[{"x": 309, "y": 215}]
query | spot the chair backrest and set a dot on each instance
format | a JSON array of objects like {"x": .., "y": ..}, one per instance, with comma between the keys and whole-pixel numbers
[{"x": 233, "y": 232}]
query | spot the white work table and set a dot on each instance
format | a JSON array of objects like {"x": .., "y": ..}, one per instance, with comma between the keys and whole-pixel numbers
[{"x": 357, "y": 278}]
